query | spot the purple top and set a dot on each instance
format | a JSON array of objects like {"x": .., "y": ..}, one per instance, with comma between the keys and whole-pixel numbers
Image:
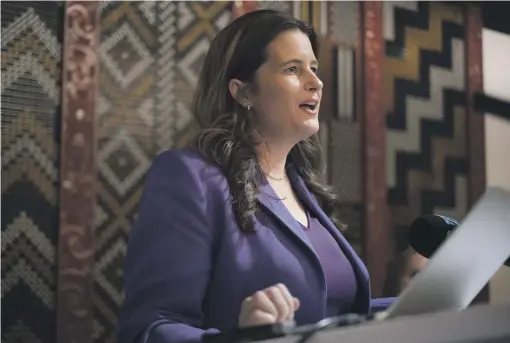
[{"x": 340, "y": 278}]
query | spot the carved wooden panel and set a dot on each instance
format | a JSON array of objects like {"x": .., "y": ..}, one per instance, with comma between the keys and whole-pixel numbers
[
  {"x": 78, "y": 173},
  {"x": 373, "y": 118},
  {"x": 475, "y": 121}
]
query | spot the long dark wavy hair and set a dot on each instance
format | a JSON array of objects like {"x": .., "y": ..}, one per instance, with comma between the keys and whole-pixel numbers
[{"x": 226, "y": 133}]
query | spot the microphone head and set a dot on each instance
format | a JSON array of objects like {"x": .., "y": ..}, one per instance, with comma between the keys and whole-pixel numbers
[{"x": 428, "y": 232}]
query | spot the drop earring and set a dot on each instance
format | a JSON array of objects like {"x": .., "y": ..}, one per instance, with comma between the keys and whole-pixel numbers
[{"x": 249, "y": 108}]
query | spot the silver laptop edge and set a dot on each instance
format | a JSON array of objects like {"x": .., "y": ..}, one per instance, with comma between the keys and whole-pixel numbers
[{"x": 464, "y": 263}]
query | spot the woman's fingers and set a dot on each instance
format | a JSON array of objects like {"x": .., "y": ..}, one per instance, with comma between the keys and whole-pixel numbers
[
  {"x": 273, "y": 305},
  {"x": 262, "y": 301},
  {"x": 297, "y": 303},
  {"x": 281, "y": 301}
]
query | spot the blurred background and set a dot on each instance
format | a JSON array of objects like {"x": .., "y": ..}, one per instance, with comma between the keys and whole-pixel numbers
[{"x": 92, "y": 91}]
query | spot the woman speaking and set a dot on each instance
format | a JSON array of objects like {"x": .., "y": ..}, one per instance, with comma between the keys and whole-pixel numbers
[{"x": 237, "y": 229}]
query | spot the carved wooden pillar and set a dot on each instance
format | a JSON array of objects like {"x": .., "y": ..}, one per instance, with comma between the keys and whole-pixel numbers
[
  {"x": 78, "y": 172},
  {"x": 373, "y": 118},
  {"x": 475, "y": 121},
  {"x": 474, "y": 84}
]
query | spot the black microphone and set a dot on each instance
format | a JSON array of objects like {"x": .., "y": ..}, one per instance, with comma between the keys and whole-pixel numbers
[{"x": 428, "y": 232}]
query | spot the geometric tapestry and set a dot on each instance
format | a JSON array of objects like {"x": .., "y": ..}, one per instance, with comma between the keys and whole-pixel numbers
[
  {"x": 151, "y": 54},
  {"x": 425, "y": 101},
  {"x": 31, "y": 77}
]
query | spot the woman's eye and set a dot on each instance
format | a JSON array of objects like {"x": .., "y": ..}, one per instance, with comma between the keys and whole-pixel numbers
[
  {"x": 293, "y": 69},
  {"x": 314, "y": 69}
]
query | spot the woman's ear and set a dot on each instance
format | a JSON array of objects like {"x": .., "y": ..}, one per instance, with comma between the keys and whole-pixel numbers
[{"x": 238, "y": 89}]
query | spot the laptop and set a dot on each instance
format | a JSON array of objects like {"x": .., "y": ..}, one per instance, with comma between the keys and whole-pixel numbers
[{"x": 464, "y": 263}]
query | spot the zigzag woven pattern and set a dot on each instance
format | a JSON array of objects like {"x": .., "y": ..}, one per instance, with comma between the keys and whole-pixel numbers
[
  {"x": 424, "y": 80},
  {"x": 31, "y": 73}
]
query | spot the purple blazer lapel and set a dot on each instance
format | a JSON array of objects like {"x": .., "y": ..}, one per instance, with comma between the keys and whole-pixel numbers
[
  {"x": 312, "y": 205},
  {"x": 268, "y": 198}
]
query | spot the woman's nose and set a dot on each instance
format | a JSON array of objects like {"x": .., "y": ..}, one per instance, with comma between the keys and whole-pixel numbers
[{"x": 314, "y": 83}]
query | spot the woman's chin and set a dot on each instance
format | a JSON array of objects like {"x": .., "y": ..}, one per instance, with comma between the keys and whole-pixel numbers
[{"x": 311, "y": 126}]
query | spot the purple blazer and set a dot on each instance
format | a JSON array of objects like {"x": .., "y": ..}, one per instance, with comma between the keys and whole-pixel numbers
[{"x": 188, "y": 266}]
